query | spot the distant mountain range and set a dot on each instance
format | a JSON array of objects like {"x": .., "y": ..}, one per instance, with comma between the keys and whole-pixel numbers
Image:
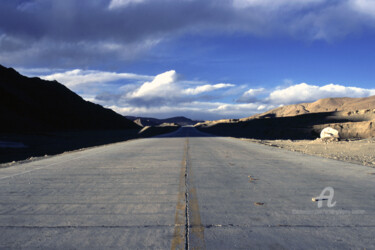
[
  {"x": 33, "y": 104},
  {"x": 148, "y": 121}
]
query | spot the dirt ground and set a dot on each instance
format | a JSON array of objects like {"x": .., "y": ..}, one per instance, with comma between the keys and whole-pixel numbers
[{"x": 354, "y": 151}]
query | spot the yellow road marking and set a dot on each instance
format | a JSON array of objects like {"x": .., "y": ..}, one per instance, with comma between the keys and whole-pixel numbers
[
  {"x": 179, "y": 235},
  {"x": 188, "y": 231}
]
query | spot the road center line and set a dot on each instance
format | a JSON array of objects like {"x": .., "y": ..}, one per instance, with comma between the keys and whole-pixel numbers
[
  {"x": 179, "y": 236},
  {"x": 196, "y": 229},
  {"x": 189, "y": 231}
]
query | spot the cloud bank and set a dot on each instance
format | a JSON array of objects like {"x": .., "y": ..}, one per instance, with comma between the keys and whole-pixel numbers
[
  {"x": 167, "y": 94},
  {"x": 308, "y": 93},
  {"x": 72, "y": 33},
  {"x": 77, "y": 76}
]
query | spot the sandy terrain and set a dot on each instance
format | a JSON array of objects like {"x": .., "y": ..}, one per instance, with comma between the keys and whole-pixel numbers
[
  {"x": 296, "y": 127},
  {"x": 322, "y": 105},
  {"x": 354, "y": 151}
]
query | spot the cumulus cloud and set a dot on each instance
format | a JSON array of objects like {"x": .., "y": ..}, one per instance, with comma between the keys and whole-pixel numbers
[
  {"x": 207, "y": 88},
  {"x": 307, "y": 93},
  {"x": 260, "y": 100},
  {"x": 167, "y": 94},
  {"x": 167, "y": 88},
  {"x": 251, "y": 95},
  {"x": 122, "y": 3},
  {"x": 364, "y": 6},
  {"x": 163, "y": 85},
  {"x": 230, "y": 110},
  {"x": 163, "y": 95}
]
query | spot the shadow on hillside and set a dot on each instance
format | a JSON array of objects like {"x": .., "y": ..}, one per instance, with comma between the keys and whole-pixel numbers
[
  {"x": 22, "y": 146},
  {"x": 272, "y": 128},
  {"x": 305, "y": 126},
  {"x": 51, "y": 143}
]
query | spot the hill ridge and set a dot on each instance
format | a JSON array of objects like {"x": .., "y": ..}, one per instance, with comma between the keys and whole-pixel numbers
[
  {"x": 33, "y": 104},
  {"x": 330, "y": 104}
]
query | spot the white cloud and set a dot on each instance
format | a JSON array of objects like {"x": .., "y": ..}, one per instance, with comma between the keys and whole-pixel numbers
[
  {"x": 123, "y": 3},
  {"x": 167, "y": 88},
  {"x": 227, "y": 107},
  {"x": 110, "y": 88},
  {"x": 166, "y": 95},
  {"x": 306, "y": 93},
  {"x": 163, "y": 85},
  {"x": 262, "y": 107},
  {"x": 251, "y": 95},
  {"x": 206, "y": 88},
  {"x": 76, "y": 77},
  {"x": 231, "y": 110},
  {"x": 263, "y": 100},
  {"x": 253, "y": 92},
  {"x": 364, "y": 6}
]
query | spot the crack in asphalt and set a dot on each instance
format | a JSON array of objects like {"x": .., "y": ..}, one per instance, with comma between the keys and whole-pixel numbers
[
  {"x": 180, "y": 236},
  {"x": 195, "y": 229},
  {"x": 205, "y": 226},
  {"x": 187, "y": 220},
  {"x": 187, "y": 210},
  {"x": 83, "y": 227},
  {"x": 288, "y": 226}
]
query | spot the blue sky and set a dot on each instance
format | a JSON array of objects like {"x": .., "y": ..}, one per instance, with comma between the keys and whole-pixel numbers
[{"x": 203, "y": 59}]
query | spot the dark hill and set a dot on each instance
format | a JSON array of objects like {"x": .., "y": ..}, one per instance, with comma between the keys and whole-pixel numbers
[{"x": 33, "y": 104}]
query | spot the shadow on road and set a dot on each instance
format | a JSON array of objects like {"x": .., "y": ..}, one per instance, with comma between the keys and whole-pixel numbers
[
  {"x": 186, "y": 131},
  {"x": 52, "y": 143}
]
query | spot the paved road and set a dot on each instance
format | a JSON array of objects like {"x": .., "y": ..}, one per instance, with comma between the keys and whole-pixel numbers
[{"x": 186, "y": 190}]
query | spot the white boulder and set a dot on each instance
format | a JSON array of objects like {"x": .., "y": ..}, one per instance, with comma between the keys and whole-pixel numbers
[{"x": 329, "y": 133}]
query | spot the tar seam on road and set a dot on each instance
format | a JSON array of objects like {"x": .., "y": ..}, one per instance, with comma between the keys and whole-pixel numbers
[
  {"x": 187, "y": 216},
  {"x": 179, "y": 236},
  {"x": 188, "y": 231},
  {"x": 168, "y": 226}
]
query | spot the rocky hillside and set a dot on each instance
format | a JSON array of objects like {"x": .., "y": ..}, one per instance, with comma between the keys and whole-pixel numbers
[
  {"x": 352, "y": 117},
  {"x": 322, "y": 105}
]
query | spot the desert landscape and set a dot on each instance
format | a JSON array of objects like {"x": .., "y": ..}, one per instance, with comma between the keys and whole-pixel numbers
[
  {"x": 34, "y": 129},
  {"x": 358, "y": 151},
  {"x": 164, "y": 124},
  {"x": 298, "y": 127}
]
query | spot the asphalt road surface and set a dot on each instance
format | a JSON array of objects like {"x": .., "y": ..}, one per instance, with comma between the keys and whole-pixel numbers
[{"x": 186, "y": 190}]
